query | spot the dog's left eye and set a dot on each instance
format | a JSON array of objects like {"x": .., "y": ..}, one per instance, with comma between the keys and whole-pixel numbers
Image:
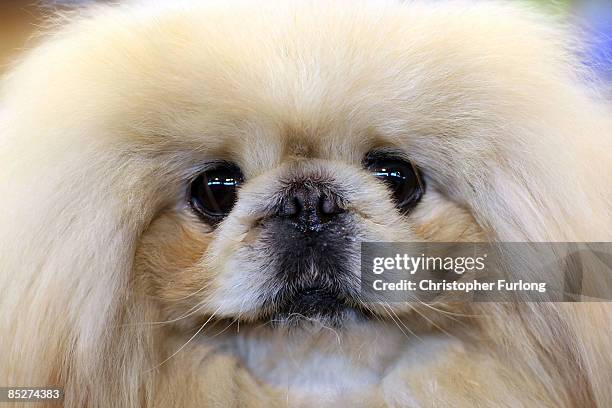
[
  {"x": 401, "y": 177},
  {"x": 214, "y": 192}
]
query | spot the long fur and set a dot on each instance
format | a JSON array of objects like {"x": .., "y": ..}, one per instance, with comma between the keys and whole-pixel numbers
[{"x": 101, "y": 122}]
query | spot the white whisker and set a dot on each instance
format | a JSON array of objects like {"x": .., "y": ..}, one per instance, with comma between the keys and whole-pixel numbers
[{"x": 186, "y": 343}]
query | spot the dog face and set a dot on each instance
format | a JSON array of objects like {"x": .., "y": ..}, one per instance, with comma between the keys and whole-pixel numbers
[
  {"x": 285, "y": 241},
  {"x": 294, "y": 168}
]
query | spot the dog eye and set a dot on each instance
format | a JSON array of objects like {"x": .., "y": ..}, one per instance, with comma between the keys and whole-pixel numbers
[
  {"x": 214, "y": 192},
  {"x": 401, "y": 177}
]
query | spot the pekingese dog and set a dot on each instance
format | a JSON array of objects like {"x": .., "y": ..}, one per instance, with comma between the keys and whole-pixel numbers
[{"x": 185, "y": 186}]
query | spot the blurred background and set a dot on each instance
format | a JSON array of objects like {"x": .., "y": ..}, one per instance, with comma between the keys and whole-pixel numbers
[{"x": 19, "y": 19}]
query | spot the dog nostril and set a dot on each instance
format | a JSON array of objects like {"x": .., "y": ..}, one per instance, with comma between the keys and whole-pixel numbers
[
  {"x": 329, "y": 206},
  {"x": 293, "y": 206}
]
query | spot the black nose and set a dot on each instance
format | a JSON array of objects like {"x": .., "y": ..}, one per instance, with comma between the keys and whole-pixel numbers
[{"x": 309, "y": 208}]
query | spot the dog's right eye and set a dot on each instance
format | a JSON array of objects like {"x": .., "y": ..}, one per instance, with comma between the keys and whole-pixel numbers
[{"x": 214, "y": 192}]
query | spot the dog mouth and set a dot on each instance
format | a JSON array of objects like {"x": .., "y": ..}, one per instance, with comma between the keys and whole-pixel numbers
[{"x": 315, "y": 303}]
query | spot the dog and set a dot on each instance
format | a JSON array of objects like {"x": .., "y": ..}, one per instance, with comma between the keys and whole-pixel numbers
[{"x": 186, "y": 185}]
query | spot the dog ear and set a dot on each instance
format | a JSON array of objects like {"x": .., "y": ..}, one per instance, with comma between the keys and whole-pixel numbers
[
  {"x": 68, "y": 237},
  {"x": 531, "y": 160},
  {"x": 68, "y": 229},
  {"x": 549, "y": 200},
  {"x": 552, "y": 183}
]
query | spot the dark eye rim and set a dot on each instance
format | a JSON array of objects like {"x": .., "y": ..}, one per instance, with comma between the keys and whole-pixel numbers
[
  {"x": 373, "y": 157},
  {"x": 209, "y": 217}
]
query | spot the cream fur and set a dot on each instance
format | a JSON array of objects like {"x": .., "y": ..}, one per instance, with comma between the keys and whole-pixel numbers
[{"x": 102, "y": 124}]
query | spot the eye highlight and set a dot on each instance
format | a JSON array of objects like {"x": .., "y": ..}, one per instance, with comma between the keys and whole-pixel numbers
[
  {"x": 214, "y": 192},
  {"x": 401, "y": 177}
]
